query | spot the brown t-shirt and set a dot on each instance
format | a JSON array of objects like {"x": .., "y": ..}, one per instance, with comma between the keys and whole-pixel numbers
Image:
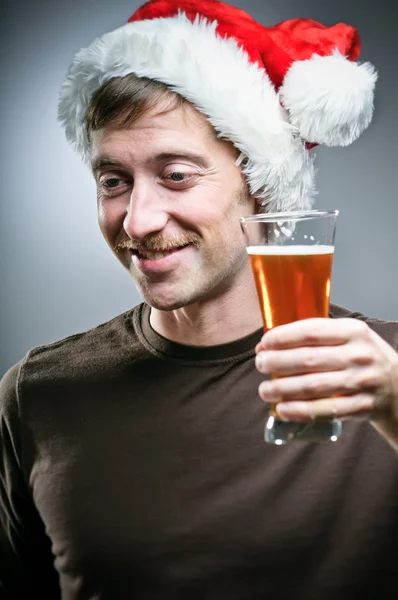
[{"x": 133, "y": 467}]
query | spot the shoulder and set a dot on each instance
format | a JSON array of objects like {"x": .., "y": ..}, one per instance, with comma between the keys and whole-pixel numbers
[
  {"x": 8, "y": 393},
  {"x": 82, "y": 356},
  {"x": 388, "y": 330},
  {"x": 10, "y": 443}
]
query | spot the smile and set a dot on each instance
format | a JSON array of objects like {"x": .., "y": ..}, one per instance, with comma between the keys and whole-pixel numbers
[
  {"x": 159, "y": 261},
  {"x": 155, "y": 255},
  {"x": 145, "y": 254}
]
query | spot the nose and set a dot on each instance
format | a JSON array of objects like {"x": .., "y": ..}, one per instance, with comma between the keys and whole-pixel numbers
[{"x": 146, "y": 213}]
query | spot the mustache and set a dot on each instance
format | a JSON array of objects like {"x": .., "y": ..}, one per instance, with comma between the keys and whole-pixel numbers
[{"x": 158, "y": 242}]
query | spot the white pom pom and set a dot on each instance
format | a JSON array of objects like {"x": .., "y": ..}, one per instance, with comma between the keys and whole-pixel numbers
[{"x": 329, "y": 99}]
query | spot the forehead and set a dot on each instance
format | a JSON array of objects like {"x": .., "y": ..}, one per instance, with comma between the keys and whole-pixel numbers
[{"x": 183, "y": 126}]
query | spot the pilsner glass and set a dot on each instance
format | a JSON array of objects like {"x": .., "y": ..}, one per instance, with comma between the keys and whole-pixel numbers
[{"x": 291, "y": 256}]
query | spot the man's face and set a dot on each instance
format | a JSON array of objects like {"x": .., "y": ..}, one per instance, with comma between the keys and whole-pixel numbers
[{"x": 169, "y": 201}]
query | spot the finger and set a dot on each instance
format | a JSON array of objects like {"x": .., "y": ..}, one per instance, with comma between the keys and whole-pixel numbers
[
  {"x": 313, "y": 386},
  {"x": 358, "y": 405},
  {"x": 299, "y": 361},
  {"x": 312, "y": 332},
  {"x": 315, "y": 359}
]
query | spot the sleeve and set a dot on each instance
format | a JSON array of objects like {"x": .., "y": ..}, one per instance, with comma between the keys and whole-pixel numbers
[{"x": 26, "y": 561}]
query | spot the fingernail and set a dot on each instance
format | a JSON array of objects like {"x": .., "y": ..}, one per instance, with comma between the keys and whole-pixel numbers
[
  {"x": 266, "y": 392},
  {"x": 264, "y": 388},
  {"x": 260, "y": 363}
]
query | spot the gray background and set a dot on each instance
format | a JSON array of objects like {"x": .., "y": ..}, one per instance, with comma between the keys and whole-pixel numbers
[{"x": 57, "y": 275}]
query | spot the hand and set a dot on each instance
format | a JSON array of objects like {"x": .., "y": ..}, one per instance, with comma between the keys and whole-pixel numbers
[{"x": 335, "y": 368}]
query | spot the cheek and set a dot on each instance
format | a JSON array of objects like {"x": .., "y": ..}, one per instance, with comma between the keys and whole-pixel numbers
[
  {"x": 101, "y": 213},
  {"x": 102, "y": 219},
  {"x": 205, "y": 213},
  {"x": 219, "y": 223},
  {"x": 110, "y": 219},
  {"x": 229, "y": 231}
]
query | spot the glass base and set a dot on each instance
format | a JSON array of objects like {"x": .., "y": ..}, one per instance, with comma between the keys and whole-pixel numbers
[{"x": 282, "y": 432}]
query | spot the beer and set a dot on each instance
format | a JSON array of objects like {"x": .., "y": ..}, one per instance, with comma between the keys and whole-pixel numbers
[{"x": 293, "y": 282}]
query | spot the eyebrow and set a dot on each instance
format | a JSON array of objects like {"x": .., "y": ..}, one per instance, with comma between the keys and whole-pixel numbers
[
  {"x": 197, "y": 158},
  {"x": 104, "y": 161},
  {"x": 107, "y": 161}
]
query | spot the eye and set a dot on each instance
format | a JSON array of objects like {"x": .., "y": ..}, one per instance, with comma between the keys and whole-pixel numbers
[
  {"x": 113, "y": 182},
  {"x": 176, "y": 176},
  {"x": 112, "y": 185},
  {"x": 179, "y": 179}
]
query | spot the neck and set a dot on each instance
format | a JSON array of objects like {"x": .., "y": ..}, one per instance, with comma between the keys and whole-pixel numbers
[{"x": 217, "y": 320}]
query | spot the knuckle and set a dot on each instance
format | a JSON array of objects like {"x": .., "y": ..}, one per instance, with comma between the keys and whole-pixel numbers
[
  {"x": 367, "y": 404},
  {"x": 363, "y": 405},
  {"x": 362, "y": 380},
  {"x": 359, "y": 327},
  {"x": 310, "y": 358},
  {"x": 362, "y": 354},
  {"x": 369, "y": 379},
  {"x": 311, "y": 335},
  {"x": 311, "y": 386},
  {"x": 269, "y": 361},
  {"x": 351, "y": 383},
  {"x": 273, "y": 340},
  {"x": 274, "y": 387}
]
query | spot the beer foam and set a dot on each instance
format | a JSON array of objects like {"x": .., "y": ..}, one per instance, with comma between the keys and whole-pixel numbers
[{"x": 290, "y": 250}]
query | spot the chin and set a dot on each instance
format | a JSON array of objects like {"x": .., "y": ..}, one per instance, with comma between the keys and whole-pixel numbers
[
  {"x": 165, "y": 307},
  {"x": 165, "y": 302},
  {"x": 169, "y": 297}
]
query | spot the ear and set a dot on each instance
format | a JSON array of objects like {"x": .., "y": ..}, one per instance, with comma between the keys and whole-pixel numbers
[
  {"x": 259, "y": 204},
  {"x": 250, "y": 199}
]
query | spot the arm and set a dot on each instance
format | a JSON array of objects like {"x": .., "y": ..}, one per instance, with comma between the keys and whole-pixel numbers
[{"x": 26, "y": 561}]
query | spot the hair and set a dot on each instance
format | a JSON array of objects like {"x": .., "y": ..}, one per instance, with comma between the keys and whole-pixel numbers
[{"x": 123, "y": 100}]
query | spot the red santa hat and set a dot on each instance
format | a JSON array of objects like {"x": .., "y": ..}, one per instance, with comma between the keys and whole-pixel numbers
[{"x": 272, "y": 91}]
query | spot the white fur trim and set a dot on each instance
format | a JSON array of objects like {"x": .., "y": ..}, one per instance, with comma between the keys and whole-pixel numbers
[
  {"x": 329, "y": 98},
  {"x": 218, "y": 78}
]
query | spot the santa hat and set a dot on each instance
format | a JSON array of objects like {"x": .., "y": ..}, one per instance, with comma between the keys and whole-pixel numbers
[{"x": 274, "y": 92}]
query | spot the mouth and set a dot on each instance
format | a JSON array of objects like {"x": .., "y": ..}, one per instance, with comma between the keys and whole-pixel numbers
[
  {"x": 160, "y": 262},
  {"x": 143, "y": 254}
]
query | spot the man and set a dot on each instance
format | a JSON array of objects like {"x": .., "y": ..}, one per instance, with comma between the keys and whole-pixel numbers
[{"x": 133, "y": 462}]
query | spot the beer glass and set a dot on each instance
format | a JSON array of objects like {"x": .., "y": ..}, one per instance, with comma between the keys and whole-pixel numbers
[{"x": 291, "y": 257}]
